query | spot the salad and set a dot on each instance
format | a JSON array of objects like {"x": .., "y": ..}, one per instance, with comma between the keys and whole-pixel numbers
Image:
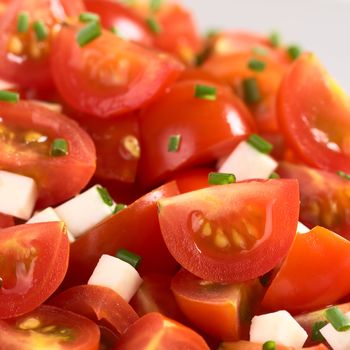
[{"x": 162, "y": 190}]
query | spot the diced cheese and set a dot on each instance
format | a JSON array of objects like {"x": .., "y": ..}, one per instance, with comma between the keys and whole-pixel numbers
[
  {"x": 246, "y": 162},
  {"x": 301, "y": 228},
  {"x": 84, "y": 211},
  {"x": 337, "y": 340},
  {"x": 278, "y": 326},
  {"x": 48, "y": 215},
  {"x": 116, "y": 274},
  {"x": 18, "y": 195}
]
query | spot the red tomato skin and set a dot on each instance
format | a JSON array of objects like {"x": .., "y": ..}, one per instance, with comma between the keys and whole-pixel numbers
[
  {"x": 60, "y": 178},
  {"x": 106, "y": 98},
  {"x": 324, "y": 258},
  {"x": 193, "y": 180},
  {"x": 100, "y": 304},
  {"x": 154, "y": 331},
  {"x": 208, "y": 129},
  {"x": 247, "y": 345},
  {"x": 6, "y": 221},
  {"x": 50, "y": 265},
  {"x": 175, "y": 222},
  {"x": 137, "y": 226}
]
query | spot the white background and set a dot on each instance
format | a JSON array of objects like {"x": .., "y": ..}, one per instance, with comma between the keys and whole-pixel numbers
[{"x": 321, "y": 26}]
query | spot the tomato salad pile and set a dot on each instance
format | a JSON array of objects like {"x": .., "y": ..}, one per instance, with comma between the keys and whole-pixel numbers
[{"x": 163, "y": 190}]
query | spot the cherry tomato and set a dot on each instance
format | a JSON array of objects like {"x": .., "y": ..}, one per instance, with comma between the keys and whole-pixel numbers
[
  {"x": 313, "y": 113},
  {"x": 324, "y": 259},
  {"x": 231, "y": 233},
  {"x": 27, "y": 131},
  {"x": 99, "y": 304},
  {"x": 154, "y": 331},
  {"x": 24, "y": 58},
  {"x": 192, "y": 180},
  {"x": 109, "y": 76},
  {"x": 49, "y": 327},
  {"x": 6, "y": 221},
  {"x": 208, "y": 130},
  {"x": 33, "y": 262},
  {"x": 221, "y": 310}
]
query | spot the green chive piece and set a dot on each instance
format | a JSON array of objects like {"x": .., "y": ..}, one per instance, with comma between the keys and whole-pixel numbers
[
  {"x": 130, "y": 258},
  {"x": 256, "y": 65},
  {"x": 41, "y": 30},
  {"x": 251, "y": 91},
  {"x": 274, "y": 175},
  {"x": 59, "y": 148},
  {"x": 155, "y": 5},
  {"x": 9, "y": 96},
  {"x": 258, "y": 50},
  {"x": 316, "y": 334},
  {"x": 338, "y": 319},
  {"x": 119, "y": 207},
  {"x": 88, "y": 17},
  {"x": 153, "y": 25},
  {"x": 221, "y": 179},
  {"x": 260, "y": 144},
  {"x": 105, "y": 196},
  {"x": 343, "y": 174},
  {"x": 23, "y": 22},
  {"x": 174, "y": 143},
  {"x": 294, "y": 51},
  {"x": 275, "y": 39},
  {"x": 89, "y": 33},
  {"x": 205, "y": 92},
  {"x": 269, "y": 345},
  {"x": 201, "y": 57}
]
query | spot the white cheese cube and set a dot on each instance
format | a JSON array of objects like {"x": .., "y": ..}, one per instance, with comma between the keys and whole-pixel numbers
[
  {"x": 301, "y": 228},
  {"x": 48, "y": 215},
  {"x": 278, "y": 326},
  {"x": 116, "y": 274},
  {"x": 246, "y": 163},
  {"x": 84, "y": 211},
  {"x": 18, "y": 195},
  {"x": 337, "y": 340}
]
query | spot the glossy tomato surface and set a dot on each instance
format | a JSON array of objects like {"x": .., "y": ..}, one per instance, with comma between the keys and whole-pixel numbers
[
  {"x": 33, "y": 262},
  {"x": 231, "y": 233},
  {"x": 6, "y": 221},
  {"x": 194, "y": 179}
]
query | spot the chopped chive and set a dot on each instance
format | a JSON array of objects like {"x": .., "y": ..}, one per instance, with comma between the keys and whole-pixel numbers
[
  {"x": 153, "y": 25},
  {"x": 338, "y": 319},
  {"x": 155, "y": 5},
  {"x": 205, "y": 92},
  {"x": 251, "y": 91},
  {"x": 258, "y": 50},
  {"x": 119, "y": 207},
  {"x": 260, "y": 144},
  {"x": 343, "y": 174},
  {"x": 88, "y": 17},
  {"x": 174, "y": 143},
  {"x": 41, "y": 30},
  {"x": 275, "y": 39},
  {"x": 130, "y": 258},
  {"x": 294, "y": 51},
  {"x": 269, "y": 345},
  {"x": 256, "y": 65},
  {"x": 202, "y": 56},
  {"x": 105, "y": 196},
  {"x": 89, "y": 33},
  {"x": 23, "y": 22},
  {"x": 9, "y": 96},
  {"x": 274, "y": 175},
  {"x": 316, "y": 334},
  {"x": 59, "y": 147},
  {"x": 221, "y": 179}
]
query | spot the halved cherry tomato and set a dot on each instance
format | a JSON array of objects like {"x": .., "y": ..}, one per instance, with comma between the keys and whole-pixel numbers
[
  {"x": 234, "y": 232},
  {"x": 109, "y": 76},
  {"x": 193, "y": 180},
  {"x": 100, "y": 304},
  {"x": 27, "y": 132},
  {"x": 33, "y": 262},
  {"x": 24, "y": 59},
  {"x": 135, "y": 228},
  {"x": 221, "y": 310},
  {"x": 49, "y": 327},
  {"x": 208, "y": 130},
  {"x": 324, "y": 196},
  {"x": 6, "y": 221},
  {"x": 156, "y": 332},
  {"x": 122, "y": 20},
  {"x": 314, "y": 115},
  {"x": 324, "y": 259}
]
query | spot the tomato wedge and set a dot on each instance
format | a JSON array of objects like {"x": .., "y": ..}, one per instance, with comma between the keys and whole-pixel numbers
[
  {"x": 28, "y": 131},
  {"x": 109, "y": 76},
  {"x": 231, "y": 233},
  {"x": 49, "y": 327},
  {"x": 324, "y": 259},
  {"x": 6, "y": 221},
  {"x": 314, "y": 113},
  {"x": 33, "y": 262}
]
